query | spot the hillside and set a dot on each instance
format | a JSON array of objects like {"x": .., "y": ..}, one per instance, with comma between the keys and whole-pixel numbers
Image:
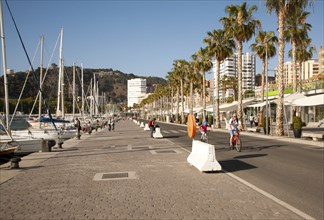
[{"x": 111, "y": 82}]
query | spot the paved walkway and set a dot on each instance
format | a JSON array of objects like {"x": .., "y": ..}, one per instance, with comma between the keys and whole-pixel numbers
[{"x": 62, "y": 185}]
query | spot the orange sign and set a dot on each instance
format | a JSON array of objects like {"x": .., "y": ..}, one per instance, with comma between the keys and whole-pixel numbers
[{"x": 191, "y": 126}]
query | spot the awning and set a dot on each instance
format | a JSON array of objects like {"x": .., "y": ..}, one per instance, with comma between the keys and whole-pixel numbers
[{"x": 309, "y": 101}]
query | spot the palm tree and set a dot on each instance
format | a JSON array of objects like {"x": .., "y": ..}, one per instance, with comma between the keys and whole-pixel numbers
[
  {"x": 224, "y": 84},
  {"x": 233, "y": 82},
  {"x": 203, "y": 65},
  {"x": 262, "y": 41},
  {"x": 241, "y": 26},
  {"x": 220, "y": 46},
  {"x": 180, "y": 69},
  {"x": 296, "y": 32},
  {"x": 282, "y": 8},
  {"x": 304, "y": 52}
]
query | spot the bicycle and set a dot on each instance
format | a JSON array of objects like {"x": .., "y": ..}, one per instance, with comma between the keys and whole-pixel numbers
[
  {"x": 236, "y": 141},
  {"x": 204, "y": 137}
]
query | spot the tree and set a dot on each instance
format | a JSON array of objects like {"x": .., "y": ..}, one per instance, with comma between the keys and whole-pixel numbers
[
  {"x": 262, "y": 41},
  {"x": 220, "y": 46},
  {"x": 204, "y": 64},
  {"x": 180, "y": 68},
  {"x": 282, "y": 8},
  {"x": 296, "y": 32},
  {"x": 304, "y": 52},
  {"x": 241, "y": 26}
]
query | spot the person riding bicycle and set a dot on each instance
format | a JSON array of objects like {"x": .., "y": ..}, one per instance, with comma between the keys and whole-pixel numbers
[
  {"x": 203, "y": 130},
  {"x": 234, "y": 125}
]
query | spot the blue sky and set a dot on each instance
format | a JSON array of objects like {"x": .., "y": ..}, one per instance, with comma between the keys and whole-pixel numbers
[{"x": 140, "y": 37}]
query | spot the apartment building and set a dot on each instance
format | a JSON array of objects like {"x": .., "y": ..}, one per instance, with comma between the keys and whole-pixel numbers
[
  {"x": 136, "y": 91},
  {"x": 229, "y": 67}
]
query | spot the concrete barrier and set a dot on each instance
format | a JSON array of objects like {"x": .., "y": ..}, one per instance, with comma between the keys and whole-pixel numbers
[
  {"x": 203, "y": 157},
  {"x": 142, "y": 125},
  {"x": 157, "y": 133},
  {"x": 138, "y": 123},
  {"x": 146, "y": 128}
]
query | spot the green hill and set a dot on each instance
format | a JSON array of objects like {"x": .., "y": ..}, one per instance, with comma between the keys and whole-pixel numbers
[{"x": 112, "y": 83}]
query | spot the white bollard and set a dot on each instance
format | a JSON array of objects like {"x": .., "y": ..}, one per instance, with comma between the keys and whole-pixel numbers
[
  {"x": 157, "y": 133},
  {"x": 203, "y": 157},
  {"x": 138, "y": 123},
  {"x": 146, "y": 128},
  {"x": 142, "y": 125}
]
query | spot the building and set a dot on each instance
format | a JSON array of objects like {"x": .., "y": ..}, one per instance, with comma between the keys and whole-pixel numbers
[
  {"x": 309, "y": 69},
  {"x": 136, "y": 91},
  {"x": 229, "y": 66},
  {"x": 321, "y": 61}
]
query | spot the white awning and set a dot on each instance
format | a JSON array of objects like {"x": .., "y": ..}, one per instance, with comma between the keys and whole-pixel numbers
[{"x": 309, "y": 101}]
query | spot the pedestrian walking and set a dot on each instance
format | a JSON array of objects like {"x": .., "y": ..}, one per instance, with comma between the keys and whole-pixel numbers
[
  {"x": 113, "y": 124},
  {"x": 151, "y": 125},
  {"x": 251, "y": 119},
  {"x": 256, "y": 120},
  {"x": 78, "y": 127},
  {"x": 109, "y": 124}
]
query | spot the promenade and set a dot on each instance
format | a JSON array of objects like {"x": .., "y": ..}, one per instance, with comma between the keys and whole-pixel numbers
[{"x": 125, "y": 174}]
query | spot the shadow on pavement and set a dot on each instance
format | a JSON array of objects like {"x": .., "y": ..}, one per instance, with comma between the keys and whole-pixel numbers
[
  {"x": 235, "y": 165},
  {"x": 250, "y": 156},
  {"x": 171, "y": 136}
]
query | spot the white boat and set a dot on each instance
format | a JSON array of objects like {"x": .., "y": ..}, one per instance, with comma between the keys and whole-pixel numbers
[{"x": 26, "y": 145}]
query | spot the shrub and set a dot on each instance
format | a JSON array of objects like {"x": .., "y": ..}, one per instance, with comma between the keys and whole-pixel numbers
[{"x": 297, "y": 122}]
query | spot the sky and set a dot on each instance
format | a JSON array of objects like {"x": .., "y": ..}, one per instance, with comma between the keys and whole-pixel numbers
[{"x": 139, "y": 37}]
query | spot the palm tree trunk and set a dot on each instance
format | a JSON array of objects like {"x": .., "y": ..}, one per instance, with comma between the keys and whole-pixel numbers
[
  {"x": 223, "y": 89},
  {"x": 279, "y": 116},
  {"x": 263, "y": 79},
  {"x": 204, "y": 97},
  {"x": 294, "y": 66},
  {"x": 182, "y": 102},
  {"x": 239, "y": 77},
  {"x": 216, "y": 115},
  {"x": 172, "y": 100},
  {"x": 177, "y": 113}
]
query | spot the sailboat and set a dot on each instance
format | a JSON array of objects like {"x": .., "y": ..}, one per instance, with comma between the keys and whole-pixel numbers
[
  {"x": 9, "y": 143},
  {"x": 43, "y": 127}
]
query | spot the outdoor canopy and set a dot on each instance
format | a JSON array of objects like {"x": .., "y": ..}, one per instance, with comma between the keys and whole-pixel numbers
[{"x": 309, "y": 101}]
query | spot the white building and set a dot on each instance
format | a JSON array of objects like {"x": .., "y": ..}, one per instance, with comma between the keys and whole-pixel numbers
[
  {"x": 309, "y": 69},
  {"x": 136, "y": 91},
  {"x": 229, "y": 66}
]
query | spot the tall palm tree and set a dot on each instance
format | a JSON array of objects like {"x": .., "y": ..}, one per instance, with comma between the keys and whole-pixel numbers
[
  {"x": 180, "y": 69},
  {"x": 282, "y": 8},
  {"x": 262, "y": 41},
  {"x": 233, "y": 82},
  {"x": 296, "y": 32},
  {"x": 224, "y": 84},
  {"x": 241, "y": 25},
  {"x": 304, "y": 52},
  {"x": 204, "y": 65},
  {"x": 175, "y": 83},
  {"x": 191, "y": 73},
  {"x": 220, "y": 46}
]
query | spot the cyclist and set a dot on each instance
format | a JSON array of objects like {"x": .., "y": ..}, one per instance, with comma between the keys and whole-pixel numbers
[
  {"x": 203, "y": 130},
  {"x": 234, "y": 125}
]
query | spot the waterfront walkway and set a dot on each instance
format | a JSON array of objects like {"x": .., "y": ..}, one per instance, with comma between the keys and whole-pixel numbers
[{"x": 88, "y": 180}]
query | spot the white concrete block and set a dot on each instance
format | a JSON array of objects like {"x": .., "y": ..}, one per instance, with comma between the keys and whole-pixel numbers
[
  {"x": 146, "y": 128},
  {"x": 142, "y": 125},
  {"x": 203, "y": 157},
  {"x": 157, "y": 133}
]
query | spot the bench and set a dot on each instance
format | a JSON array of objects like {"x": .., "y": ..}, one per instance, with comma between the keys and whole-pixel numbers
[{"x": 315, "y": 135}]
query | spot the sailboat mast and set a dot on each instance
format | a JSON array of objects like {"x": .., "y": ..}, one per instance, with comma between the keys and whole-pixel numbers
[
  {"x": 41, "y": 78},
  {"x": 59, "y": 87},
  {"x": 73, "y": 91},
  {"x": 82, "y": 92},
  {"x": 4, "y": 67}
]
